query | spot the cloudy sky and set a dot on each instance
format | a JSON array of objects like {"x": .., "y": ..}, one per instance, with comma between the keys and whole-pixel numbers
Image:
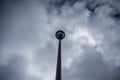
[{"x": 28, "y": 47}]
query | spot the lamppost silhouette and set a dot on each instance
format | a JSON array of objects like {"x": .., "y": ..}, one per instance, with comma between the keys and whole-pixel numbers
[{"x": 59, "y": 35}]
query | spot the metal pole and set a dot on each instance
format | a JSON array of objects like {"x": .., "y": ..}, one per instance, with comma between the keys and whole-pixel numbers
[
  {"x": 58, "y": 70},
  {"x": 59, "y": 35}
]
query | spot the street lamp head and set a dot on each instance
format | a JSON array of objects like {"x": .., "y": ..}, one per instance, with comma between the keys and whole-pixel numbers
[{"x": 60, "y": 34}]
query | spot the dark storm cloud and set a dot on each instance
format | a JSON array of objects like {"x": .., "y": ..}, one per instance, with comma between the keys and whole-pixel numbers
[
  {"x": 91, "y": 5},
  {"x": 60, "y": 3}
]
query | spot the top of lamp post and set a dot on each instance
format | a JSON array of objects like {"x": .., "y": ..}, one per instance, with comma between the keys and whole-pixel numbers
[{"x": 60, "y": 34}]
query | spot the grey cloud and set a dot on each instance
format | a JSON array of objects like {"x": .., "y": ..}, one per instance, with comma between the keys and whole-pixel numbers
[
  {"x": 27, "y": 30},
  {"x": 91, "y": 66},
  {"x": 14, "y": 70}
]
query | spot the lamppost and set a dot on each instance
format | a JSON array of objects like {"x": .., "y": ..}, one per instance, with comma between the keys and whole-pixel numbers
[{"x": 59, "y": 35}]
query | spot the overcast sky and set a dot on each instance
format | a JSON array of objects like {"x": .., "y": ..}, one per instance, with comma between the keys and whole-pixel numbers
[{"x": 90, "y": 50}]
